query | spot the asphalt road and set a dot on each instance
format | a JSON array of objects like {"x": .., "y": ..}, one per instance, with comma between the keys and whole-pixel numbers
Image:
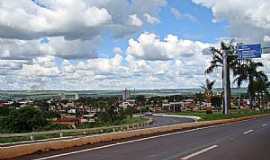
[
  {"x": 163, "y": 121},
  {"x": 246, "y": 140}
]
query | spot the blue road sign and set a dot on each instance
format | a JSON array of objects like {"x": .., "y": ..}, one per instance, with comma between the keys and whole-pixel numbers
[{"x": 249, "y": 51}]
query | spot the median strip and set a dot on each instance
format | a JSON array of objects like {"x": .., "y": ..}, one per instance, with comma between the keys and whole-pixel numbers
[{"x": 199, "y": 152}]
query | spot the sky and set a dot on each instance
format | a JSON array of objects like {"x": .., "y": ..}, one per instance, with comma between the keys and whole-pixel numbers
[{"x": 117, "y": 44}]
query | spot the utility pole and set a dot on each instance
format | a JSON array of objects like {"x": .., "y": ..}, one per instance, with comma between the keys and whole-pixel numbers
[{"x": 225, "y": 81}]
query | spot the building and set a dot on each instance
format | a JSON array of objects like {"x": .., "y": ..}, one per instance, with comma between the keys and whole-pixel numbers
[
  {"x": 125, "y": 95},
  {"x": 173, "y": 106}
]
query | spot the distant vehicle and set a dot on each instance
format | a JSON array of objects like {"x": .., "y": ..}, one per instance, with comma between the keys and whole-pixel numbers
[{"x": 148, "y": 114}]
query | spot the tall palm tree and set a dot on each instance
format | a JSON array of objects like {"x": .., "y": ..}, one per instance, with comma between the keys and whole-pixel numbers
[
  {"x": 248, "y": 71},
  {"x": 217, "y": 62}
]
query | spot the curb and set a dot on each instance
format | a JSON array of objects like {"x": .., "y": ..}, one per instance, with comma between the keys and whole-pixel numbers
[{"x": 26, "y": 149}]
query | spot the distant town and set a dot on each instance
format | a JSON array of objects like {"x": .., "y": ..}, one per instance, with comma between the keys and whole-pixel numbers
[{"x": 71, "y": 110}]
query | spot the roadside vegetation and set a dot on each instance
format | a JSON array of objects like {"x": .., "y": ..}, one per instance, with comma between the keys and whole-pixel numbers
[{"x": 31, "y": 119}]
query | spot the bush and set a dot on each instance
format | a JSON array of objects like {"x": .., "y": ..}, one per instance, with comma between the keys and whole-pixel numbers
[
  {"x": 54, "y": 127},
  {"x": 25, "y": 119}
]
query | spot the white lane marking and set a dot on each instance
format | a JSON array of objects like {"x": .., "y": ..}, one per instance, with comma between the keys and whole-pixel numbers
[
  {"x": 199, "y": 152},
  {"x": 121, "y": 143},
  {"x": 264, "y": 125},
  {"x": 249, "y": 131}
]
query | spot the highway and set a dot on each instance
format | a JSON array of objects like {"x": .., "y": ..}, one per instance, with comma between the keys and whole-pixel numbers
[{"x": 246, "y": 140}]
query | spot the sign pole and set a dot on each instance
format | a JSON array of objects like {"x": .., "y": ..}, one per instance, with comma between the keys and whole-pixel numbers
[{"x": 225, "y": 80}]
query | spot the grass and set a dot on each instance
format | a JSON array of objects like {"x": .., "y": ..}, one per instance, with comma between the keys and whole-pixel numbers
[{"x": 219, "y": 115}]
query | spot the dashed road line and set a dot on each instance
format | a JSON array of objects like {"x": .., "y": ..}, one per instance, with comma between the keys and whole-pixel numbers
[
  {"x": 248, "y": 132},
  {"x": 199, "y": 152}
]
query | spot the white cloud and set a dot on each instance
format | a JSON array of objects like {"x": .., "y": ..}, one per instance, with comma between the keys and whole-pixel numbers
[
  {"x": 11, "y": 49},
  {"x": 150, "y": 19},
  {"x": 178, "y": 15},
  {"x": 182, "y": 67},
  {"x": 150, "y": 47},
  {"x": 244, "y": 17},
  {"x": 72, "y": 19},
  {"x": 134, "y": 20}
]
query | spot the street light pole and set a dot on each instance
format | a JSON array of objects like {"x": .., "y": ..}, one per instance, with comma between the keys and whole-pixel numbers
[{"x": 225, "y": 81}]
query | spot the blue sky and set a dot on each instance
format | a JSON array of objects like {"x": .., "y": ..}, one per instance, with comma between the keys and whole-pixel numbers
[
  {"x": 202, "y": 29},
  {"x": 116, "y": 44}
]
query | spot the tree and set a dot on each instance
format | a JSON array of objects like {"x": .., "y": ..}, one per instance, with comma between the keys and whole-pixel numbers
[
  {"x": 261, "y": 87},
  {"x": 217, "y": 62},
  {"x": 248, "y": 71},
  {"x": 199, "y": 98},
  {"x": 25, "y": 119},
  {"x": 208, "y": 89}
]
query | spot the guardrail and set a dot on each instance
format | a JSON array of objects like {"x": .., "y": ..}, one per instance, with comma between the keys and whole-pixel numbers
[{"x": 24, "y": 138}]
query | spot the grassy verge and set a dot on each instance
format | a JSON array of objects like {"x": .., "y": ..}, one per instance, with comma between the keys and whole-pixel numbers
[
  {"x": 218, "y": 115},
  {"x": 125, "y": 124}
]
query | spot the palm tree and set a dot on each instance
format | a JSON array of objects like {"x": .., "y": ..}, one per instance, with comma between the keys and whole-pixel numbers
[
  {"x": 257, "y": 80},
  {"x": 217, "y": 62},
  {"x": 208, "y": 86},
  {"x": 208, "y": 89}
]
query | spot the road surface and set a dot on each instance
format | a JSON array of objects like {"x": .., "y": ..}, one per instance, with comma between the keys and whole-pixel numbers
[
  {"x": 163, "y": 121},
  {"x": 246, "y": 140}
]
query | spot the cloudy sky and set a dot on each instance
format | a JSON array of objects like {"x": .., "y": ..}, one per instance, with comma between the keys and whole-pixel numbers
[{"x": 116, "y": 44}]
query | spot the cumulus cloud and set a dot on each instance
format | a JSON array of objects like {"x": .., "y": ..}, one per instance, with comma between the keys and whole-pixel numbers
[
  {"x": 123, "y": 69},
  {"x": 244, "y": 18},
  {"x": 150, "y": 47},
  {"x": 134, "y": 20},
  {"x": 11, "y": 49},
  {"x": 72, "y": 19}
]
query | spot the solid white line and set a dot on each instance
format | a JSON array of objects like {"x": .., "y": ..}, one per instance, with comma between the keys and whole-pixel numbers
[
  {"x": 264, "y": 125},
  {"x": 121, "y": 143},
  {"x": 247, "y": 132},
  {"x": 199, "y": 152}
]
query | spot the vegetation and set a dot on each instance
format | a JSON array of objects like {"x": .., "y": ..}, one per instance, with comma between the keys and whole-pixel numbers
[
  {"x": 257, "y": 80},
  {"x": 218, "y": 59},
  {"x": 243, "y": 70},
  {"x": 25, "y": 119}
]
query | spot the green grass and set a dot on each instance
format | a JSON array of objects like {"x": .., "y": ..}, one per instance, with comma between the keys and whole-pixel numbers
[
  {"x": 219, "y": 115},
  {"x": 14, "y": 139}
]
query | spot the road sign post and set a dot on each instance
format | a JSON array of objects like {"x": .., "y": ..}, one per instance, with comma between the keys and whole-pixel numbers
[{"x": 225, "y": 81}]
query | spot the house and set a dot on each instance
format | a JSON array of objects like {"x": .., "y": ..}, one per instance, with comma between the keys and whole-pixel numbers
[
  {"x": 68, "y": 121},
  {"x": 3, "y": 104},
  {"x": 173, "y": 106},
  {"x": 127, "y": 103}
]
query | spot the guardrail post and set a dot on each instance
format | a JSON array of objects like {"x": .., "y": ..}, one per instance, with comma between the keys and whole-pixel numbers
[
  {"x": 61, "y": 134},
  {"x": 32, "y": 138}
]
